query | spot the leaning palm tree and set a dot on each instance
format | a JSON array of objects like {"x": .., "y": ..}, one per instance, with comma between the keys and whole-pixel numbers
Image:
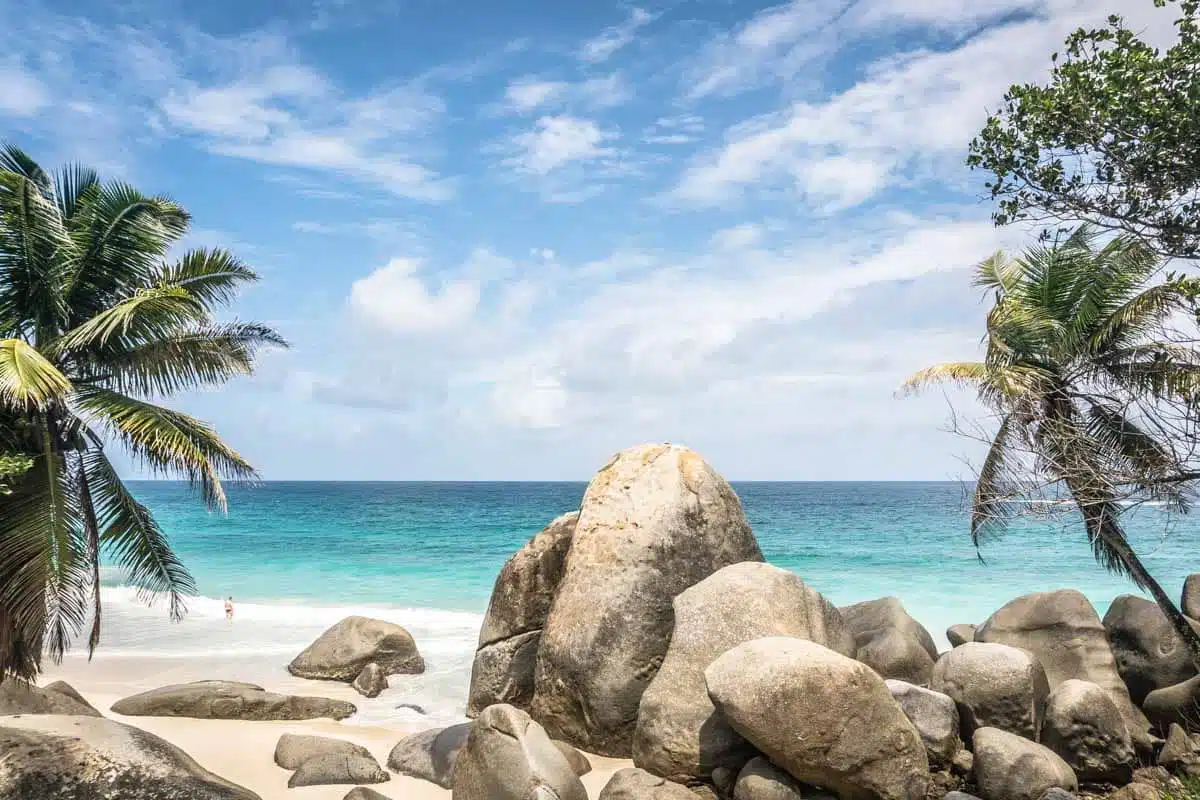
[
  {"x": 96, "y": 327},
  {"x": 1095, "y": 390}
]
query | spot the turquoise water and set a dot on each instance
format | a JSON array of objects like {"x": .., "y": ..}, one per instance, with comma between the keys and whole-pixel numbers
[{"x": 297, "y": 557}]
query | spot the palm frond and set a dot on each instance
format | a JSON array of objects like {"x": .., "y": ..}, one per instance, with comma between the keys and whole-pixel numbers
[
  {"x": 1136, "y": 318},
  {"x": 961, "y": 373},
  {"x": 14, "y": 159},
  {"x": 148, "y": 315},
  {"x": 73, "y": 186},
  {"x": 998, "y": 272},
  {"x": 213, "y": 276},
  {"x": 27, "y": 379},
  {"x": 33, "y": 247},
  {"x": 991, "y": 500}
]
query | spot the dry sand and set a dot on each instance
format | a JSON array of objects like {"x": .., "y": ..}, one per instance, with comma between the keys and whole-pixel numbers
[{"x": 243, "y": 752}]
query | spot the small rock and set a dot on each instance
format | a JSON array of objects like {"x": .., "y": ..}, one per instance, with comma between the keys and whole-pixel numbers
[
  {"x": 1190, "y": 602},
  {"x": 1175, "y": 704},
  {"x": 1136, "y": 791},
  {"x": 292, "y": 750},
  {"x": 632, "y": 783},
  {"x": 994, "y": 686},
  {"x": 1157, "y": 777},
  {"x": 430, "y": 755},
  {"x": 578, "y": 761},
  {"x": 340, "y": 653},
  {"x": 1055, "y": 793},
  {"x": 1085, "y": 727},
  {"x": 1178, "y": 750},
  {"x": 935, "y": 717},
  {"x": 508, "y": 756},
  {"x": 957, "y": 795},
  {"x": 960, "y": 634},
  {"x": 762, "y": 780},
  {"x": 371, "y": 681},
  {"x": 411, "y": 707},
  {"x": 1009, "y": 767},
  {"x": 18, "y": 697},
  {"x": 363, "y": 793},
  {"x": 963, "y": 763},
  {"x": 338, "y": 768}
]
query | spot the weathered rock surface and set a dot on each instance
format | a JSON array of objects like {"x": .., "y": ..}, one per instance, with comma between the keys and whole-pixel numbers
[
  {"x": 1175, "y": 704},
  {"x": 856, "y": 739},
  {"x": 292, "y": 750},
  {"x": 654, "y": 521},
  {"x": 994, "y": 686},
  {"x": 18, "y": 697},
  {"x": 430, "y": 755},
  {"x": 632, "y": 783},
  {"x": 578, "y": 761},
  {"x": 1010, "y": 767},
  {"x": 338, "y": 768},
  {"x": 1136, "y": 791},
  {"x": 364, "y": 793},
  {"x": 371, "y": 681},
  {"x": 934, "y": 715},
  {"x": 1179, "y": 749},
  {"x": 46, "y": 756},
  {"x": 1062, "y": 630},
  {"x": 890, "y": 641},
  {"x": 762, "y": 780},
  {"x": 1190, "y": 601},
  {"x": 508, "y": 756},
  {"x": 680, "y": 736},
  {"x": 959, "y": 796},
  {"x": 1149, "y": 654},
  {"x": 340, "y": 653},
  {"x": 229, "y": 700},
  {"x": 1084, "y": 726},
  {"x": 960, "y": 634},
  {"x": 521, "y": 598}
]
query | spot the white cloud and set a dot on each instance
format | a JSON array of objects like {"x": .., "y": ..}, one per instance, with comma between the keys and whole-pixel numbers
[
  {"x": 605, "y": 45},
  {"x": 526, "y": 94},
  {"x": 21, "y": 93},
  {"x": 529, "y": 94},
  {"x": 395, "y": 298},
  {"x": 558, "y": 141}
]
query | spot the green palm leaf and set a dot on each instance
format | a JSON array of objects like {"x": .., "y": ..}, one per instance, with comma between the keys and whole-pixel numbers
[{"x": 27, "y": 379}]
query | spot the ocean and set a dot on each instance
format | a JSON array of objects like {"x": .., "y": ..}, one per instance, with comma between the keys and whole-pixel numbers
[{"x": 297, "y": 557}]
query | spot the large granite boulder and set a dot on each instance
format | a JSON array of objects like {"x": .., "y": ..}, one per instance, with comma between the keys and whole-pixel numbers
[
  {"x": 292, "y": 749},
  {"x": 632, "y": 783},
  {"x": 654, "y": 521},
  {"x": 960, "y": 634},
  {"x": 340, "y": 653},
  {"x": 1010, "y": 767},
  {"x": 508, "y": 756},
  {"x": 935, "y": 716},
  {"x": 994, "y": 686},
  {"x": 1149, "y": 654},
  {"x": 46, "y": 756},
  {"x": 334, "y": 769},
  {"x": 1084, "y": 726},
  {"x": 508, "y": 640},
  {"x": 229, "y": 700},
  {"x": 890, "y": 641},
  {"x": 18, "y": 697},
  {"x": 430, "y": 755},
  {"x": 1178, "y": 704},
  {"x": 1065, "y": 634},
  {"x": 1189, "y": 603},
  {"x": 762, "y": 780},
  {"x": 679, "y": 735},
  {"x": 827, "y": 719}
]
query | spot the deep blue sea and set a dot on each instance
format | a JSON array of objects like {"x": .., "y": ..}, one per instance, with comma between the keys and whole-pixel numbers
[{"x": 298, "y": 556}]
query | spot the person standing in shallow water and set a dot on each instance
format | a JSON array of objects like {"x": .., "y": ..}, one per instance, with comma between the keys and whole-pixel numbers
[{"x": 229, "y": 609}]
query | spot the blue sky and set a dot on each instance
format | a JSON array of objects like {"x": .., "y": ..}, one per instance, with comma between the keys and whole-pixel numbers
[{"x": 510, "y": 238}]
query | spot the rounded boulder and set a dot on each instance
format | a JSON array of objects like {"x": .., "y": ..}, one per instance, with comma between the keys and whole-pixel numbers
[
  {"x": 508, "y": 756},
  {"x": 342, "y": 651},
  {"x": 1084, "y": 726},
  {"x": 994, "y": 686}
]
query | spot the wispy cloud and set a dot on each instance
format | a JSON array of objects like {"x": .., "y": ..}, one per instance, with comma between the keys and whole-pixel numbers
[
  {"x": 21, "y": 93},
  {"x": 606, "y": 44},
  {"x": 526, "y": 94},
  {"x": 555, "y": 142}
]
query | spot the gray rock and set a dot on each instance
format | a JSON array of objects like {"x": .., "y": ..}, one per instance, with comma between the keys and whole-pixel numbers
[
  {"x": 1084, "y": 726},
  {"x": 363, "y": 793},
  {"x": 578, "y": 761},
  {"x": 1149, "y": 654},
  {"x": 963, "y": 763},
  {"x": 508, "y": 640},
  {"x": 508, "y": 756},
  {"x": 1062, "y": 630},
  {"x": 762, "y": 780},
  {"x": 1010, "y": 767},
  {"x": 632, "y": 783},
  {"x": 1178, "y": 750},
  {"x": 654, "y": 521},
  {"x": 46, "y": 756},
  {"x": 680, "y": 736},
  {"x": 1190, "y": 601},
  {"x": 993, "y": 685},
  {"x": 856, "y": 740},
  {"x": 960, "y": 634},
  {"x": 430, "y": 755},
  {"x": 371, "y": 681},
  {"x": 229, "y": 700},
  {"x": 340, "y": 653},
  {"x": 890, "y": 641},
  {"x": 1055, "y": 793},
  {"x": 959, "y": 795},
  {"x": 1175, "y": 704},
  {"x": 1136, "y": 791},
  {"x": 338, "y": 768},
  {"x": 18, "y": 697},
  {"x": 934, "y": 715},
  {"x": 292, "y": 750}
]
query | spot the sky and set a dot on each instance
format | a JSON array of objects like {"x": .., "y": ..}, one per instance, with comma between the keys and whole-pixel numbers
[{"x": 508, "y": 238}]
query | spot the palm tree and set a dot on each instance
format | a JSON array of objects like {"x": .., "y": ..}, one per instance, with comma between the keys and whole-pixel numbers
[
  {"x": 1090, "y": 381},
  {"x": 96, "y": 325}
]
